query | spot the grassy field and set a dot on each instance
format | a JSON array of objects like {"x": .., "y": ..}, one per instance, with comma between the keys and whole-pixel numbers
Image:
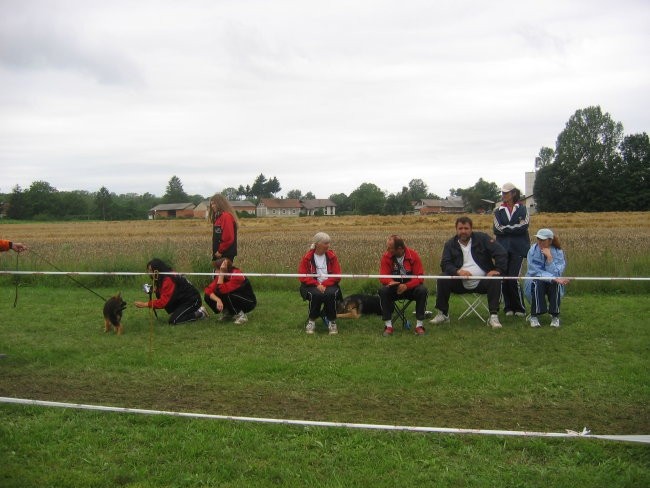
[{"x": 592, "y": 372}]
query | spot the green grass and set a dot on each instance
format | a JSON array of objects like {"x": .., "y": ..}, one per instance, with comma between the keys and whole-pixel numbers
[{"x": 592, "y": 372}]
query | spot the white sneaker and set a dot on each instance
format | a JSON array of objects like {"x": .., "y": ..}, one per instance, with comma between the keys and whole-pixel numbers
[
  {"x": 441, "y": 318},
  {"x": 311, "y": 327},
  {"x": 204, "y": 313},
  {"x": 555, "y": 322},
  {"x": 493, "y": 321},
  {"x": 240, "y": 318},
  {"x": 333, "y": 329},
  {"x": 534, "y": 321},
  {"x": 520, "y": 314},
  {"x": 510, "y": 313}
]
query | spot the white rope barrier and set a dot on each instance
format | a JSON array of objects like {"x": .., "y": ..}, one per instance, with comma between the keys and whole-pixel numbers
[
  {"x": 299, "y": 275},
  {"x": 585, "y": 434}
]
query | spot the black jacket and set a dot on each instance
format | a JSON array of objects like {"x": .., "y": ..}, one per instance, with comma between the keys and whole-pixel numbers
[{"x": 487, "y": 253}]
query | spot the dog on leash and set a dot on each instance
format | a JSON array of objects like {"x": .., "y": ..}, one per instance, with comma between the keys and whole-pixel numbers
[
  {"x": 113, "y": 309},
  {"x": 354, "y": 306}
]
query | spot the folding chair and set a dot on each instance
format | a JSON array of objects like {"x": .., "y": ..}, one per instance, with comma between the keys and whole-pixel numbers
[
  {"x": 475, "y": 304},
  {"x": 399, "y": 313}
]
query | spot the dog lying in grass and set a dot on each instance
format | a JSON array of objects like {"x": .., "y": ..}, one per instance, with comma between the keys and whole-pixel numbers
[
  {"x": 354, "y": 306},
  {"x": 113, "y": 309}
]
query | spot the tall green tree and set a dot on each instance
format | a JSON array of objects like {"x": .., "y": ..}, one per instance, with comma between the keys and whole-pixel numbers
[
  {"x": 633, "y": 178},
  {"x": 343, "y": 203},
  {"x": 474, "y": 197},
  {"x": 368, "y": 199},
  {"x": 18, "y": 205},
  {"x": 104, "y": 203},
  {"x": 230, "y": 193},
  {"x": 586, "y": 157},
  {"x": 174, "y": 192},
  {"x": 400, "y": 203}
]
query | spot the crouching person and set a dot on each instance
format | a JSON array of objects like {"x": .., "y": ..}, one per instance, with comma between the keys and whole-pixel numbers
[
  {"x": 180, "y": 299},
  {"x": 231, "y": 293}
]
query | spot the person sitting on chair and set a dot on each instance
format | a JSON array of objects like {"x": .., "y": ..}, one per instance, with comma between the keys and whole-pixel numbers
[
  {"x": 545, "y": 261},
  {"x": 470, "y": 253},
  {"x": 405, "y": 265},
  {"x": 322, "y": 289}
]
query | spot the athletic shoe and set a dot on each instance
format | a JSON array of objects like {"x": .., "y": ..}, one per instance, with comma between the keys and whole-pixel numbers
[
  {"x": 332, "y": 328},
  {"x": 534, "y": 321},
  {"x": 241, "y": 318},
  {"x": 520, "y": 314},
  {"x": 555, "y": 322},
  {"x": 420, "y": 330},
  {"x": 509, "y": 313},
  {"x": 388, "y": 331},
  {"x": 203, "y": 313},
  {"x": 441, "y": 318},
  {"x": 311, "y": 327},
  {"x": 493, "y": 321}
]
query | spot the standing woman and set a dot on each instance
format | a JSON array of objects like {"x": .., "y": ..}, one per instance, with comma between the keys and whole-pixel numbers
[
  {"x": 546, "y": 261},
  {"x": 224, "y": 228},
  {"x": 174, "y": 293},
  {"x": 511, "y": 230},
  {"x": 321, "y": 289}
]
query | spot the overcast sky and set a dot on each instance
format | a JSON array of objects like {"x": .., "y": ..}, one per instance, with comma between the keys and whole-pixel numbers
[{"x": 324, "y": 95}]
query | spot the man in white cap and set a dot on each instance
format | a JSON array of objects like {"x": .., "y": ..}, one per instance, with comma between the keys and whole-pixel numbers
[{"x": 511, "y": 230}]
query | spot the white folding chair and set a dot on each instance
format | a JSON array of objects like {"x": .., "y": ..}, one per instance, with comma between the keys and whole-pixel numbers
[{"x": 475, "y": 304}]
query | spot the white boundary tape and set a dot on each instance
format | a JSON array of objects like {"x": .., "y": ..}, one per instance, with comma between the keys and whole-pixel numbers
[
  {"x": 585, "y": 434},
  {"x": 299, "y": 275}
]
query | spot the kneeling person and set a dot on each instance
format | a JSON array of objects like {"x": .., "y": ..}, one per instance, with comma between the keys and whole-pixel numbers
[
  {"x": 231, "y": 293},
  {"x": 174, "y": 293}
]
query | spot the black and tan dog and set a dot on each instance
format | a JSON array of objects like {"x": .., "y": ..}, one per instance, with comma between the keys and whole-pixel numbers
[
  {"x": 113, "y": 309},
  {"x": 354, "y": 306}
]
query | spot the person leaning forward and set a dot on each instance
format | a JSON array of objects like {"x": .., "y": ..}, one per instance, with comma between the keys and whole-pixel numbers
[
  {"x": 466, "y": 254},
  {"x": 405, "y": 266}
]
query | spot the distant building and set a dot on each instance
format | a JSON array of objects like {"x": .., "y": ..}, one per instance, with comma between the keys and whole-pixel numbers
[
  {"x": 278, "y": 207},
  {"x": 172, "y": 210},
  {"x": 529, "y": 191},
  {"x": 242, "y": 206},
  {"x": 427, "y": 206},
  {"x": 311, "y": 207}
]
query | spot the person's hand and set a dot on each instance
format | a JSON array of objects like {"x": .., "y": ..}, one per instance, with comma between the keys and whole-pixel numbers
[
  {"x": 463, "y": 272},
  {"x": 562, "y": 281},
  {"x": 18, "y": 247},
  {"x": 141, "y": 304},
  {"x": 401, "y": 288},
  {"x": 321, "y": 288},
  {"x": 494, "y": 272},
  {"x": 546, "y": 251}
]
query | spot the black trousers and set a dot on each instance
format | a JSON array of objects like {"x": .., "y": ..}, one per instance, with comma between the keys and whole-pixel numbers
[
  {"x": 540, "y": 291},
  {"x": 318, "y": 300},
  {"x": 446, "y": 287},
  {"x": 388, "y": 295},
  {"x": 233, "y": 302},
  {"x": 513, "y": 297},
  {"x": 185, "y": 311}
]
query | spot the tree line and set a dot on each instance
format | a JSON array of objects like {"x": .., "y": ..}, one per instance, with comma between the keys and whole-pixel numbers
[{"x": 593, "y": 167}]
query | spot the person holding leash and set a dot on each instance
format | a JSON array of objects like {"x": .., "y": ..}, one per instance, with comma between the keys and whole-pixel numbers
[
  {"x": 510, "y": 226},
  {"x": 404, "y": 264},
  {"x": 10, "y": 245},
  {"x": 321, "y": 289},
  {"x": 546, "y": 261},
  {"x": 174, "y": 293}
]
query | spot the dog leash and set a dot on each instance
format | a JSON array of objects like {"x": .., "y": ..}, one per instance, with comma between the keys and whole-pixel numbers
[{"x": 58, "y": 269}]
